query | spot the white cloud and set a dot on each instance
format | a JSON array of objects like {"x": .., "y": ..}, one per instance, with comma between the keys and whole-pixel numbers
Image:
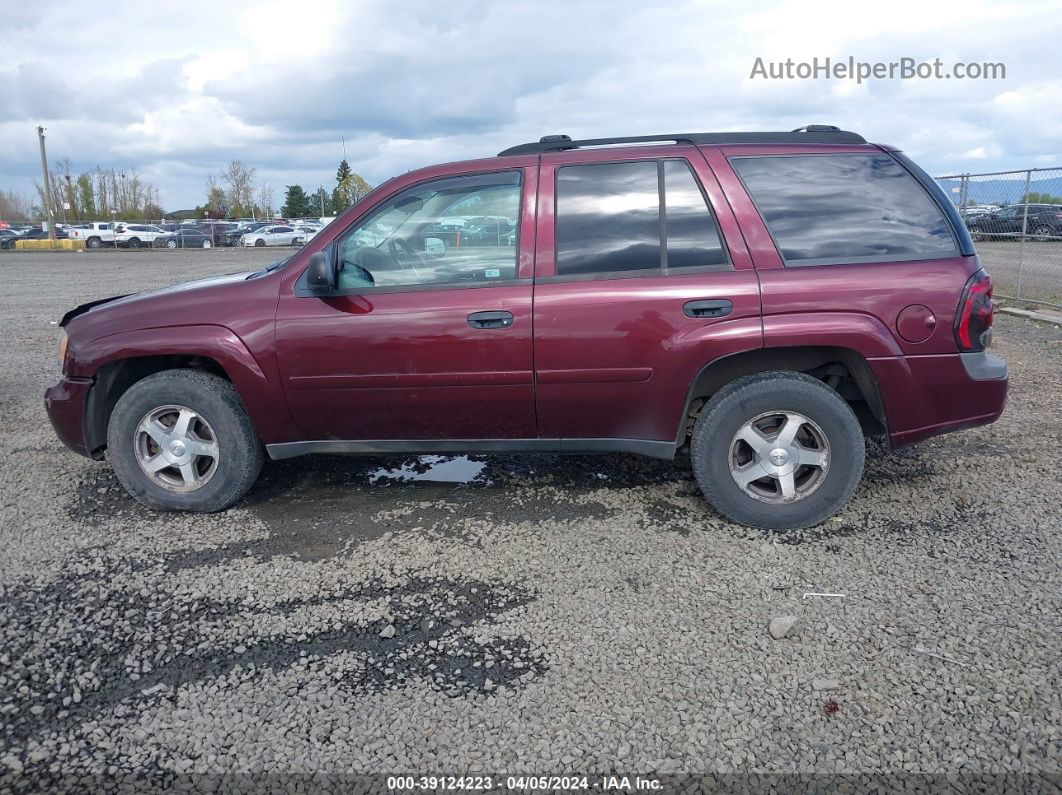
[{"x": 420, "y": 82}]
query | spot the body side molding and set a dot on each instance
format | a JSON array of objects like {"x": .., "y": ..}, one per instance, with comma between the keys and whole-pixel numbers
[{"x": 646, "y": 447}]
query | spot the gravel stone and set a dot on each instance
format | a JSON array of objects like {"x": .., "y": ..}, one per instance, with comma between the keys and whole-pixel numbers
[{"x": 781, "y": 626}]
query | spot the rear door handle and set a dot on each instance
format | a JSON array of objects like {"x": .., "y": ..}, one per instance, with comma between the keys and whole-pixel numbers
[
  {"x": 713, "y": 307},
  {"x": 496, "y": 319}
]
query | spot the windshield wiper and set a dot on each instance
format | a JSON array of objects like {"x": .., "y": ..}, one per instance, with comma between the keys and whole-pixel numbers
[{"x": 270, "y": 267}]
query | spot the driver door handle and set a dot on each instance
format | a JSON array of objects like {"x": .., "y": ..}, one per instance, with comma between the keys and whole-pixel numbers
[{"x": 495, "y": 319}]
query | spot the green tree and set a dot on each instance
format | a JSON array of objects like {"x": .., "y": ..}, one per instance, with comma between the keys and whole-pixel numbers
[
  {"x": 86, "y": 198},
  {"x": 296, "y": 203},
  {"x": 322, "y": 203},
  {"x": 1032, "y": 197},
  {"x": 349, "y": 187}
]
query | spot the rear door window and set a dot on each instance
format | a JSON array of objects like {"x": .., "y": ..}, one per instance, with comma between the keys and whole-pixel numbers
[
  {"x": 832, "y": 209},
  {"x": 692, "y": 235},
  {"x": 608, "y": 218},
  {"x": 612, "y": 219}
]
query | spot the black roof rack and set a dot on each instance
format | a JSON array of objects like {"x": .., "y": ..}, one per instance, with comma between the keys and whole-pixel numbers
[{"x": 811, "y": 134}]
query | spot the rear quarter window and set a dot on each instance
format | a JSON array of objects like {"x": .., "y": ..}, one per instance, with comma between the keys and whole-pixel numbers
[{"x": 845, "y": 208}]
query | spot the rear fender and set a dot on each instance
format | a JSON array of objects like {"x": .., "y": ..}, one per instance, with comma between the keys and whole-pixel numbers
[{"x": 859, "y": 332}]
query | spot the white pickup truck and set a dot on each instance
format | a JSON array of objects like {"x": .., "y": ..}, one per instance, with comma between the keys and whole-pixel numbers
[{"x": 95, "y": 235}]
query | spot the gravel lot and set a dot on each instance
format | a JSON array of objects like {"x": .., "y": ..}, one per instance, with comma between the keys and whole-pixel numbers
[{"x": 580, "y": 615}]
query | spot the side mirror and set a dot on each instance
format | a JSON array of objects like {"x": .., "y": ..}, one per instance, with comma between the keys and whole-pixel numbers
[{"x": 321, "y": 275}]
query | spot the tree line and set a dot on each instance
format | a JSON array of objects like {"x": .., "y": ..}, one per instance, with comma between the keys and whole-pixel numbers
[
  {"x": 348, "y": 189},
  {"x": 90, "y": 195},
  {"x": 107, "y": 193}
]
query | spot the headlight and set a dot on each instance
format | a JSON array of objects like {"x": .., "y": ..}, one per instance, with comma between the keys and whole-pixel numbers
[{"x": 63, "y": 340}]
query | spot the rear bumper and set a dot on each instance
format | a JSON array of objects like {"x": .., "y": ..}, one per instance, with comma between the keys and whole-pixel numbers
[
  {"x": 65, "y": 404},
  {"x": 926, "y": 396}
]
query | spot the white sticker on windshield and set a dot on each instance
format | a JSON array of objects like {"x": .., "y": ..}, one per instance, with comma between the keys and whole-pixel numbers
[{"x": 492, "y": 273}]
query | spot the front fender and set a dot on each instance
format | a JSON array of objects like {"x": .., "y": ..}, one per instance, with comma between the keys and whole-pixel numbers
[{"x": 256, "y": 381}]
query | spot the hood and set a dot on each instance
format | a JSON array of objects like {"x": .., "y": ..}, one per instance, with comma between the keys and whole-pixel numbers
[{"x": 186, "y": 287}]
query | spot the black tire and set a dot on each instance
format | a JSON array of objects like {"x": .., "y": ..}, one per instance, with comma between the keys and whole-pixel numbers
[
  {"x": 1043, "y": 232},
  {"x": 205, "y": 244},
  {"x": 779, "y": 391},
  {"x": 259, "y": 242},
  {"x": 134, "y": 242},
  {"x": 94, "y": 242},
  {"x": 240, "y": 451}
]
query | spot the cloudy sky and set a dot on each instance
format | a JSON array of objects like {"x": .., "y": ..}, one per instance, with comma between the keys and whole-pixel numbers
[{"x": 176, "y": 90}]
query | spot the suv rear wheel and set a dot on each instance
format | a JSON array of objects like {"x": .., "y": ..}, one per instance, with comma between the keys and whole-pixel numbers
[
  {"x": 777, "y": 450},
  {"x": 181, "y": 440}
]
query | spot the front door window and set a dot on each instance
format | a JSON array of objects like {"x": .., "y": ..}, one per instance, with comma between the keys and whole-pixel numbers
[{"x": 459, "y": 230}]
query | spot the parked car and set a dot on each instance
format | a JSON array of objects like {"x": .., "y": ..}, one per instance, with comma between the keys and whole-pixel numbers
[
  {"x": 184, "y": 237},
  {"x": 8, "y": 238},
  {"x": 136, "y": 235},
  {"x": 1043, "y": 222},
  {"x": 215, "y": 230},
  {"x": 37, "y": 233},
  {"x": 231, "y": 237},
  {"x": 767, "y": 322},
  {"x": 274, "y": 236},
  {"x": 96, "y": 234},
  {"x": 306, "y": 233}
]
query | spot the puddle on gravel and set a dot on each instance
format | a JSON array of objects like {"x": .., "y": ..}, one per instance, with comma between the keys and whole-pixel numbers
[{"x": 434, "y": 469}]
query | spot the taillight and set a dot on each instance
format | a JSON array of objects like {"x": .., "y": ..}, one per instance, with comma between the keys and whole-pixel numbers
[{"x": 973, "y": 321}]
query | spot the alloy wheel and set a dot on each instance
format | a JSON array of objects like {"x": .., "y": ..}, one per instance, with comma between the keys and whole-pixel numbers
[
  {"x": 779, "y": 457},
  {"x": 176, "y": 448}
]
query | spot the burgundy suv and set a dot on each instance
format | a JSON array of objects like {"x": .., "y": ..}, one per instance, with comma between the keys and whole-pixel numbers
[{"x": 768, "y": 299}]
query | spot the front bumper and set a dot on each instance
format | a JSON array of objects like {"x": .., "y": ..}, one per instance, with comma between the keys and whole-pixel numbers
[{"x": 65, "y": 404}]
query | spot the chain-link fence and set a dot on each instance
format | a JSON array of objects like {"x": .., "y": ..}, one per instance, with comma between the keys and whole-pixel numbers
[{"x": 1016, "y": 219}]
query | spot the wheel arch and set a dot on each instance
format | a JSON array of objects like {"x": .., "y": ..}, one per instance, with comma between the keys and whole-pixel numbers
[
  {"x": 843, "y": 369},
  {"x": 118, "y": 361}
]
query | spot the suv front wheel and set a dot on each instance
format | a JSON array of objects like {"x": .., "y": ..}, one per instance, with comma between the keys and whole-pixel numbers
[
  {"x": 777, "y": 450},
  {"x": 181, "y": 440}
]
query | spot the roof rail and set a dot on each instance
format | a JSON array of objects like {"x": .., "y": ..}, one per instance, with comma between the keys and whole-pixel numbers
[{"x": 811, "y": 134}]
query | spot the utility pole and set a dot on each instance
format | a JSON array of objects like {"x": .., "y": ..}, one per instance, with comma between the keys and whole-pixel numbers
[
  {"x": 320, "y": 195},
  {"x": 47, "y": 187}
]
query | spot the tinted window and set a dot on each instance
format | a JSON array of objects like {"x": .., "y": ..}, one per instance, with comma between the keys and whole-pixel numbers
[
  {"x": 448, "y": 231},
  {"x": 608, "y": 218},
  {"x": 692, "y": 235},
  {"x": 822, "y": 209}
]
